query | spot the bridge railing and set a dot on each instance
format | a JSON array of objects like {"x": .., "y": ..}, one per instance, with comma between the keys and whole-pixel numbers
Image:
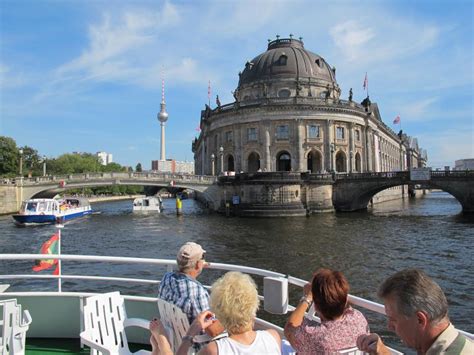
[
  {"x": 372, "y": 175},
  {"x": 188, "y": 178}
]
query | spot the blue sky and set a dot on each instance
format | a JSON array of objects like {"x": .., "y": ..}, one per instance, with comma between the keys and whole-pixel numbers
[{"x": 86, "y": 75}]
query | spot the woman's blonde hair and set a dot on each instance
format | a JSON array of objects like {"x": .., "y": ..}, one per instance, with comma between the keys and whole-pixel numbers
[{"x": 234, "y": 300}]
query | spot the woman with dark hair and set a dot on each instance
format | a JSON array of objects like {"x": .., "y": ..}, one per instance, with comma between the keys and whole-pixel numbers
[{"x": 340, "y": 323}]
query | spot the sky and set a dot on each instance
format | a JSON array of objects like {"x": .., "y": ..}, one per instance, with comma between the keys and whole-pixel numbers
[{"x": 85, "y": 75}]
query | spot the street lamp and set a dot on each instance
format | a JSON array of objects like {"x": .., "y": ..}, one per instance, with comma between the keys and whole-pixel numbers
[
  {"x": 213, "y": 160},
  {"x": 21, "y": 161},
  {"x": 221, "y": 154},
  {"x": 44, "y": 165}
]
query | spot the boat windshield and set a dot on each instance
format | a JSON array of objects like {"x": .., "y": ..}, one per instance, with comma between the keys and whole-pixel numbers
[{"x": 31, "y": 206}]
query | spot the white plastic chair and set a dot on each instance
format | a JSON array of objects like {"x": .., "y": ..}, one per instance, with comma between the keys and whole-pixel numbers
[
  {"x": 105, "y": 320},
  {"x": 14, "y": 325},
  {"x": 175, "y": 322}
]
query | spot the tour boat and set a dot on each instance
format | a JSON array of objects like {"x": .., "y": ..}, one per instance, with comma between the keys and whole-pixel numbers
[
  {"x": 148, "y": 204},
  {"x": 39, "y": 210},
  {"x": 56, "y": 302}
]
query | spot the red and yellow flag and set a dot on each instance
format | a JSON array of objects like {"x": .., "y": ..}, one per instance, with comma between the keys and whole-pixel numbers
[{"x": 48, "y": 247}]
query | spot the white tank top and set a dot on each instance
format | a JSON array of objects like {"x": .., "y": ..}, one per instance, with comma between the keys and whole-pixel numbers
[{"x": 264, "y": 343}]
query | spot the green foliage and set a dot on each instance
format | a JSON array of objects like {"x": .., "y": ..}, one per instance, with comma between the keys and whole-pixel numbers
[
  {"x": 32, "y": 163},
  {"x": 138, "y": 168},
  {"x": 9, "y": 157},
  {"x": 113, "y": 168},
  {"x": 74, "y": 164}
]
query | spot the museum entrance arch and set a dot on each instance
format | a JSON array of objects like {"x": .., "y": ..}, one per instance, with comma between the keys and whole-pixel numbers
[
  {"x": 230, "y": 163},
  {"x": 314, "y": 161},
  {"x": 283, "y": 161},
  {"x": 341, "y": 162},
  {"x": 253, "y": 162}
]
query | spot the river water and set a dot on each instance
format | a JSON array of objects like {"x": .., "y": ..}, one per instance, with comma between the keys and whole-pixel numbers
[{"x": 427, "y": 233}]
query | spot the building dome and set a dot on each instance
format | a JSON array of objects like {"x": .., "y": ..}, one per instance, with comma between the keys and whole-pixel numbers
[{"x": 286, "y": 61}]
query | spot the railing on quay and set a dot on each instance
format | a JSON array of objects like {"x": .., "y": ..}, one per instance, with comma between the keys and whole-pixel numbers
[{"x": 170, "y": 264}]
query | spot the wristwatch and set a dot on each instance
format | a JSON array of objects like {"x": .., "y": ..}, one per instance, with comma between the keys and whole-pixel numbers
[
  {"x": 189, "y": 338},
  {"x": 305, "y": 300}
]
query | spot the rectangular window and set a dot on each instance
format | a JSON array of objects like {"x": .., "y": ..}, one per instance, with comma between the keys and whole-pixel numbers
[
  {"x": 228, "y": 136},
  {"x": 357, "y": 134},
  {"x": 313, "y": 131},
  {"x": 251, "y": 134},
  {"x": 340, "y": 134},
  {"x": 282, "y": 132}
]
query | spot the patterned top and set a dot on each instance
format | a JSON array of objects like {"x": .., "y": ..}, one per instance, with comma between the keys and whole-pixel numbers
[
  {"x": 329, "y": 336},
  {"x": 184, "y": 292}
]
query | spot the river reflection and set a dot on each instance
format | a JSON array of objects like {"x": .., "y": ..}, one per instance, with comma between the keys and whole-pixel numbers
[{"x": 428, "y": 233}]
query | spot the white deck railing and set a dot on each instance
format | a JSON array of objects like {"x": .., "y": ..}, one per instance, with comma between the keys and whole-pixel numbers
[{"x": 170, "y": 264}]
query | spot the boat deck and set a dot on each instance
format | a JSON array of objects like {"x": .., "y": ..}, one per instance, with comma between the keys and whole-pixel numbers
[{"x": 45, "y": 346}]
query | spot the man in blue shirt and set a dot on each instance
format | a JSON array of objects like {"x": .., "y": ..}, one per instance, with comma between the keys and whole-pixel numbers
[{"x": 181, "y": 287}]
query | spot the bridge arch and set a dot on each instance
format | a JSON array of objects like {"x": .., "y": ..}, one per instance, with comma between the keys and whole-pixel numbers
[{"x": 353, "y": 192}]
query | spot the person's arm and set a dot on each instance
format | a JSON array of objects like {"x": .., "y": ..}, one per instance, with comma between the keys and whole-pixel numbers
[
  {"x": 296, "y": 318},
  {"x": 202, "y": 321},
  {"x": 372, "y": 344}
]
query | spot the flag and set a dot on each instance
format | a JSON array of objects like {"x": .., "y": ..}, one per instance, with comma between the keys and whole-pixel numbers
[
  {"x": 48, "y": 247},
  {"x": 366, "y": 82},
  {"x": 396, "y": 120},
  {"x": 198, "y": 129}
]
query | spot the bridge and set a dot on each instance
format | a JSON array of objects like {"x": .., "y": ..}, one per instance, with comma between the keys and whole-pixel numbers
[
  {"x": 353, "y": 192},
  {"x": 350, "y": 192}
]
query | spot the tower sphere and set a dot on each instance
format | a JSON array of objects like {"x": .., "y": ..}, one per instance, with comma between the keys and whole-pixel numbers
[{"x": 162, "y": 116}]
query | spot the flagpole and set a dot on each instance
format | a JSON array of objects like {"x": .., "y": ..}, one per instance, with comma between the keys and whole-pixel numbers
[{"x": 59, "y": 226}]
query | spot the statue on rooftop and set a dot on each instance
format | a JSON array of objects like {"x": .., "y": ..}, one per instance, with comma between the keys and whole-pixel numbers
[{"x": 350, "y": 95}]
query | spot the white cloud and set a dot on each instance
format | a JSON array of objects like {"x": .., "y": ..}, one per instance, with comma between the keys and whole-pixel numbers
[
  {"x": 10, "y": 79},
  {"x": 351, "y": 39},
  {"x": 419, "y": 110}
]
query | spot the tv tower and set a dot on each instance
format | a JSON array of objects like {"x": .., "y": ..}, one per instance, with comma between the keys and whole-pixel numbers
[{"x": 162, "y": 117}]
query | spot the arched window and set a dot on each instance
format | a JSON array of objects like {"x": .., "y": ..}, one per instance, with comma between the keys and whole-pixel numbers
[
  {"x": 284, "y": 93},
  {"x": 315, "y": 162},
  {"x": 230, "y": 163},
  {"x": 253, "y": 162},
  {"x": 282, "y": 60},
  {"x": 283, "y": 162},
  {"x": 340, "y": 162},
  {"x": 358, "y": 166}
]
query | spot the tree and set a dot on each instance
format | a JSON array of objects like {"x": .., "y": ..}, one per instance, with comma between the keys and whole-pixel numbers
[
  {"x": 9, "y": 157},
  {"x": 31, "y": 161},
  {"x": 113, "y": 168},
  {"x": 138, "y": 168}
]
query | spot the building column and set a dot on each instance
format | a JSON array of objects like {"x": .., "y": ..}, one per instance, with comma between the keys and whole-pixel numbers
[
  {"x": 351, "y": 148},
  {"x": 299, "y": 145},
  {"x": 368, "y": 149},
  {"x": 328, "y": 140},
  {"x": 267, "y": 158}
]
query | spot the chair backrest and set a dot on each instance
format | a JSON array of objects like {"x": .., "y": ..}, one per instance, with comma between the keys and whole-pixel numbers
[
  {"x": 104, "y": 317},
  {"x": 175, "y": 321},
  {"x": 14, "y": 324}
]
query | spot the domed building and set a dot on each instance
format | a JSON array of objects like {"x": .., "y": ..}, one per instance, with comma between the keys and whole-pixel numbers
[{"x": 288, "y": 115}]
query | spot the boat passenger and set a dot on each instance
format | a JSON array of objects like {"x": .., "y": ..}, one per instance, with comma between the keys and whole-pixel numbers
[
  {"x": 340, "y": 324},
  {"x": 417, "y": 311},
  {"x": 234, "y": 301},
  {"x": 182, "y": 287}
]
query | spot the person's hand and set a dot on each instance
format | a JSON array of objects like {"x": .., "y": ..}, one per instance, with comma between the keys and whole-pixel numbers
[
  {"x": 372, "y": 344},
  {"x": 307, "y": 293},
  {"x": 156, "y": 327},
  {"x": 202, "y": 321}
]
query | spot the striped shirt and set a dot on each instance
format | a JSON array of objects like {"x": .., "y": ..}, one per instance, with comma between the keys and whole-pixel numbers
[{"x": 184, "y": 292}]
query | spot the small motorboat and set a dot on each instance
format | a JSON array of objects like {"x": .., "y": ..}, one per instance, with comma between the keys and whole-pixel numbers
[
  {"x": 148, "y": 204},
  {"x": 47, "y": 210}
]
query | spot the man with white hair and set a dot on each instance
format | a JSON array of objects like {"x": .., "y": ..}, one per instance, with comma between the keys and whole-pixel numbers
[{"x": 181, "y": 287}]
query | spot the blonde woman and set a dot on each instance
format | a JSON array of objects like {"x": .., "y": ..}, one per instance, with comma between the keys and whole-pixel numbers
[{"x": 234, "y": 302}]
